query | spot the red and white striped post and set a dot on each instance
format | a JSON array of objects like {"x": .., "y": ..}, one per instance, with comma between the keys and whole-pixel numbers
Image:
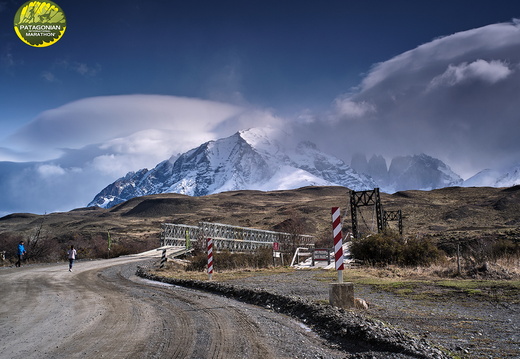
[
  {"x": 338, "y": 242},
  {"x": 210, "y": 258}
]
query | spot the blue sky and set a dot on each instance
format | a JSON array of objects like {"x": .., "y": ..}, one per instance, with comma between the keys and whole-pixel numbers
[
  {"x": 275, "y": 54},
  {"x": 209, "y": 68}
]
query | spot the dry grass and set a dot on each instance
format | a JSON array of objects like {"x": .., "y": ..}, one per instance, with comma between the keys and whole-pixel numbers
[
  {"x": 450, "y": 210},
  {"x": 177, "y": 269},
  {"x": 444, "y": 214},
  {"x": 425, "y": 212},
  {"x": 501, "y": 269},
  {"x": 422, "y": 283}
]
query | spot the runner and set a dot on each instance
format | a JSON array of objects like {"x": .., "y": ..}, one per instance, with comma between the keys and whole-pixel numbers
[
  {"x": 21, "y": 253},
  {"x": 72, "y": 255}
]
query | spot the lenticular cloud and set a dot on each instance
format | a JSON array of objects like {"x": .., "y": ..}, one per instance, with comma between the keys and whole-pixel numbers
[{"x": 99, "y": 119}]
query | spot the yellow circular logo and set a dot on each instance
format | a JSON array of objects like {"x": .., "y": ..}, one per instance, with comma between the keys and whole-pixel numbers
[{"x": 40, "y": 23}]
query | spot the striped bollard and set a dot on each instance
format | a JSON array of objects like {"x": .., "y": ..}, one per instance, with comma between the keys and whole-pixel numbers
[
  {"x": 210, "y": 258},
  {"x": 338, "y": 242},
  {"x": 163, "y": 258},
  {"x": 340, "y": 294}
]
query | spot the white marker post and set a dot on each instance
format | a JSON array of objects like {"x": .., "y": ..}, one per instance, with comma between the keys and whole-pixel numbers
[
  {"x": 340, "y": 294},
  {"x": 338, "y": 242}
]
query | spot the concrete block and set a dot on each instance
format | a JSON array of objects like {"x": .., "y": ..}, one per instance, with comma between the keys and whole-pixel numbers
[{"x": 341, "y": 295}]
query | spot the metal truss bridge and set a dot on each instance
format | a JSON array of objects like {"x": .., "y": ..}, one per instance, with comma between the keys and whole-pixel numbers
[{"x": 227, "y": 237}]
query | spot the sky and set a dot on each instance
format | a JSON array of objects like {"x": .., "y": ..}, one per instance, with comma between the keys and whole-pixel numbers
[{"x": 132, "y": 83}]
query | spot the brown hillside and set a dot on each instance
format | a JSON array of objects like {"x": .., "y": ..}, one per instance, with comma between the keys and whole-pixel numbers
[{"x": 457, "y": 211}]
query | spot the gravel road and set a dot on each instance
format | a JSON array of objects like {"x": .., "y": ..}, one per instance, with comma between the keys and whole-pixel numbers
[
  {"x": 468, "y": 327},
  {"x": 102, "y": 309}
]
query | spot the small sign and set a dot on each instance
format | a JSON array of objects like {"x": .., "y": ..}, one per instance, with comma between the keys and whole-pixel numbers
[
  {"x": 321, "y": 254},
  {"x": 276, "y": 246}
]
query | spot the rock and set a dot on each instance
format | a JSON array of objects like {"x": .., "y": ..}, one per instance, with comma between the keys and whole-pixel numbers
[{"x": 360, "y": 303}]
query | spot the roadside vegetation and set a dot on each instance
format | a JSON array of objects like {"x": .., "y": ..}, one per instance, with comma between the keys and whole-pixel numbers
[
  {"x": 495, "y": 256},
  {"x": 43, "y": 247},
  {"x": 418, "y": 283},
  {"x": 226, "y": 261},
  {"x": 416, "y": 268},
  {"x": 390, "y": 248}
]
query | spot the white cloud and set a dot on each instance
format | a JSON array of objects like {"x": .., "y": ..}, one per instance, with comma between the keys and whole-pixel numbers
[
  {"x": 143, "y": 149},
  {"x": 49, "y": 76},
  {"x": 351, "y": 109},
  {"x": 101, "y": 119},
  {"x": 49, "y": 170},
  {"x": 111, "y": 164},
  {"x": 492, "y": 42},
  {"x": 83, "y": 146},
  {"x": 86, "y": 70},
  {"x": 153, "y": 142},
  {"x": 80, "y": 68},
  {"x": 479, "y": 70}
]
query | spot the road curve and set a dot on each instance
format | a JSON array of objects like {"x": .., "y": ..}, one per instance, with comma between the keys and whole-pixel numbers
[{"x": 102, "y": 309}]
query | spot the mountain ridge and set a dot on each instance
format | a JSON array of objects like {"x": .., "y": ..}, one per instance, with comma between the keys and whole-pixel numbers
[
  {"x": 256, "y": 159},
  {"x": 247, "y": 160}
]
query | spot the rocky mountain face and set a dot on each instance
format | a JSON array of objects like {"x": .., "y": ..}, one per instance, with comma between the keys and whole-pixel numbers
[
  {"x": 249, "y": 159},
  {"x": 420, "y": 172}
]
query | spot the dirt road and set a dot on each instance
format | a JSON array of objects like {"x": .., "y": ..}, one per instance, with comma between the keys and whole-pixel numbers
[{"x": 102, "y": 309}]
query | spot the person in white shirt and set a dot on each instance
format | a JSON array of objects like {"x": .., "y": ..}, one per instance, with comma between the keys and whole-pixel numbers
[{"x": 72, "y": 255}]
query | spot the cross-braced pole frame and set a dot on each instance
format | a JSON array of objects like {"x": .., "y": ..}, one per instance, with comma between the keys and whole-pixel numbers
[
  {"x": 393, "y": 216},
  {"x": 365, "y": 198}
]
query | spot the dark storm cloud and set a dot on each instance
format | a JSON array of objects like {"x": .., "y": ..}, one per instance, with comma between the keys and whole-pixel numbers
[{"x": 455, "y": 97}]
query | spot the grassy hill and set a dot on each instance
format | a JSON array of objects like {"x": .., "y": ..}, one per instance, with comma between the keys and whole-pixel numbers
[{"x": 443, "y": 213}]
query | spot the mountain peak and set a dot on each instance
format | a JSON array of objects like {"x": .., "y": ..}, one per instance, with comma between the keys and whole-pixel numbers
[
  {"x": 259, "y": 159},
  {"x": 249, "y": 159}
]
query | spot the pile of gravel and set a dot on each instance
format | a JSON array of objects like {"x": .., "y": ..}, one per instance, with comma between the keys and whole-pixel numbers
[{"x": 364, "y": 337}]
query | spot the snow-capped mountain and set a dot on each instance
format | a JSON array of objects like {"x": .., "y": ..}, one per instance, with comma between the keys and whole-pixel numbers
[
  {"x": 495, "y": 178},
  {"x": 420, "y": 172},
  {"x": 251, "y": 159}
]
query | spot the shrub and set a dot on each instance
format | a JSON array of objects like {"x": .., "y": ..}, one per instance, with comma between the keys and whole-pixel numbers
[
  {"x": 390, "y": 248},
  {"x": 478, "y": 249},
  {"x": 506, "y": 248},
  {"x": 9, "y": 244},
  {"x": 419, "y": 251},
  {"x": 198, "y": 262},
  {"x": 226, "y": 260}
]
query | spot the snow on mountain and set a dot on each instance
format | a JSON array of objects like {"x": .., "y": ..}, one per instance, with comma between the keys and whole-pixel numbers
[
  {"x": 495, "y": 178},
  {"x": 251, "y": 159},
  {"x": 420, "y": 172},
  {"x": 486, "y": 178},
  {"x": 509, "y": 178}
]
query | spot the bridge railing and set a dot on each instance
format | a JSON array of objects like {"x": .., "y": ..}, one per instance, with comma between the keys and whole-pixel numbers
[
  {"x": 228, "y": 237},
  {"x": 178, "y": 234}
]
